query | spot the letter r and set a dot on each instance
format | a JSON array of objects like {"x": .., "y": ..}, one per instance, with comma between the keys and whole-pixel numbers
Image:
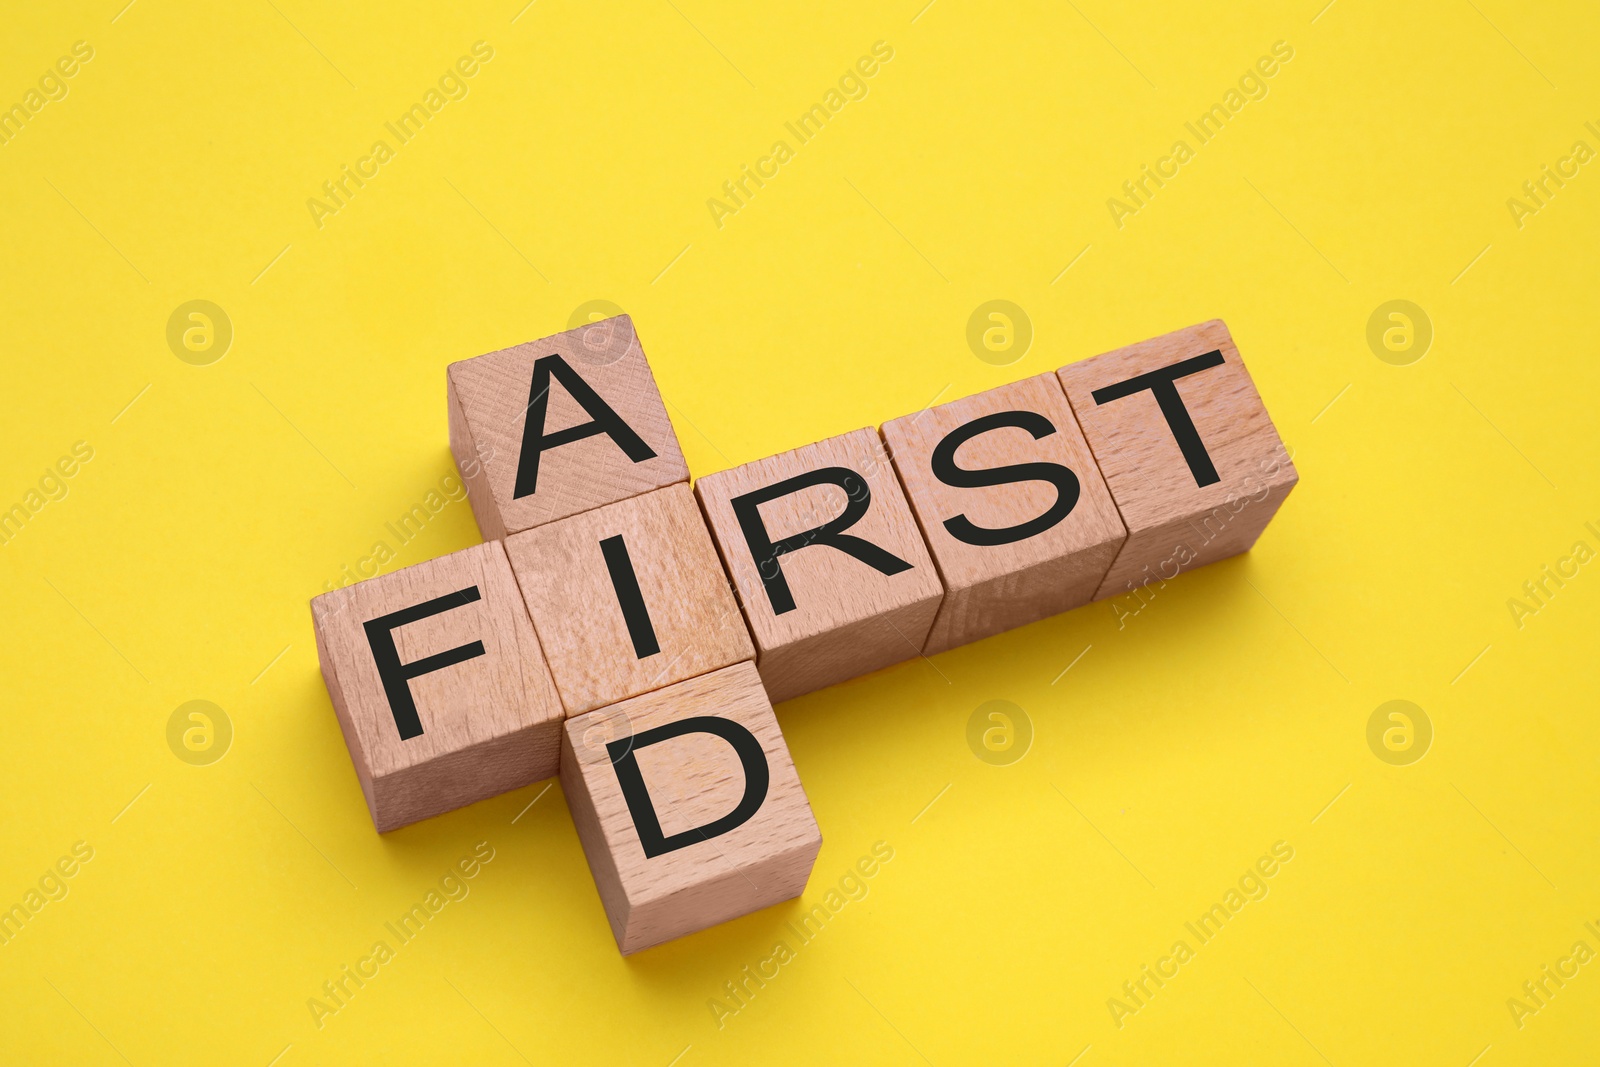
[{"x": 766, "y": 552}]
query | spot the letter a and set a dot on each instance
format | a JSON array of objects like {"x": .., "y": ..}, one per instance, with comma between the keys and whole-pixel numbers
[{"x": 535, "y": 442}]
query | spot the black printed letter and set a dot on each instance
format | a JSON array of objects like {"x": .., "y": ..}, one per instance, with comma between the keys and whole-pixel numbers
[
  {"x": 629, "y": 598},
  {"x": 396, "y": 675},
  {"x": 604, "y": 420},
  {"x": 766, "y": 552},
  {"x": 643, "y": 810},
  {"x": 1160, "y": 382},
  {"x": 945, "y": 469}
]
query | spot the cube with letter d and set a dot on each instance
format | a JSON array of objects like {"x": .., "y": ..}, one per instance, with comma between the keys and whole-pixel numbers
[{"x": 688, "y": 806}]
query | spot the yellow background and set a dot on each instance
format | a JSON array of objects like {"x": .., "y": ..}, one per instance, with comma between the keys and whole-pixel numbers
[{"x": 1225, "y": 717}]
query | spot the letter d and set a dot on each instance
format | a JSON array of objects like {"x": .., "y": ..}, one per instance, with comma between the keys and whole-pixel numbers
[{"x": 643, "y": 810}]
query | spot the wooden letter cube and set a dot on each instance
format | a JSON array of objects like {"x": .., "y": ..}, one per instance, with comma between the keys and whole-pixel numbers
[
  {"x": 1193, "y": 461},
  {"x": 1012, "y": 504},
  {"x": 554, "y": 427},
  {"x": 439, "y": 685},
  {"x": 688, "y": 807},
  {"x": 832, "y": 571},
  {"x": 628, "y": 598}
]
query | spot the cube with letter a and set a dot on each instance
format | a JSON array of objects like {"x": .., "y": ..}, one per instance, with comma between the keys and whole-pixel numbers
[
  {"x": 557, "y": 426},
  {"x": 688, "y": 806},
  {"x": 1193, "y": 461},
  {"x": 439, "y": 685}
]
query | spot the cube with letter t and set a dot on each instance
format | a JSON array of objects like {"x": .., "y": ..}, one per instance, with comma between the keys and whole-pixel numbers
[{"x": 1193, "y": 461}]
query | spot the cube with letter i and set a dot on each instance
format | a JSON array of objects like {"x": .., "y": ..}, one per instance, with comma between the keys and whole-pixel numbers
[{"x": 627, "y": 598}]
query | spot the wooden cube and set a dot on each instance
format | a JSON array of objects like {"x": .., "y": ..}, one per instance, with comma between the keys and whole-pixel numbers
[
  {"x": 826, "y": 556},
  {"x": 1020, "y": 523},
  {"x": 1193, "y": 461},
  {"x": 628, "y": 598},
  {"x": 557, "y": 426},
  {"x": 439, "y": 685},
  {"x": 688, "y": 806}
]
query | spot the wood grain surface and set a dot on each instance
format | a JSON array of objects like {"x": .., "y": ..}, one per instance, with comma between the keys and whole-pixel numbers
[
  {"x": 579, "y": 617},
  {"x": 489, "y": 400},
  {"x": 692, "y": 780},
  {"x": 1174, "y": 523},
  {"x": 991, "y": 588},
  {"x": 848, "y": 618},
  {"x": 489, "y": 723}
]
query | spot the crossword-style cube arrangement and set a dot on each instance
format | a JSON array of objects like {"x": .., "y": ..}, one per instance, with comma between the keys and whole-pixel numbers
[{"x": 631, "y": 634}]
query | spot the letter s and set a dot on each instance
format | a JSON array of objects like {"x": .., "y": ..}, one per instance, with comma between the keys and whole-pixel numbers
[{"x": 945, "y": 469}]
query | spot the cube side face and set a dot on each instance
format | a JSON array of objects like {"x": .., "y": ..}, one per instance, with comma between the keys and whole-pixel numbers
[
  {"x": 1020, "y": 597},
  {"x": 354, "y": 744},
  {"x": 1207, "y": 444},
  {"x": 607, "y": 640},
  {"x": 780, "y": 877},
  {"x": 474, "y": 474},
  {"x": 846, "y": 487},
  {"x": 467, "y": 775},
  {"x": 586, "y": 820},
  {"x": 594, "y": 378},
  {"x": 851, "y": 651},
  {"x": 667, "y": 783},
  {"x": 1161, "y": 553},
  {"x": 1010, "y": 551},
  {"x": 461, "y": 706}
]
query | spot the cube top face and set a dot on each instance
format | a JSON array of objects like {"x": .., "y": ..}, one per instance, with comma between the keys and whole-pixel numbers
[
  {"x": 1177, "y": 425},
  {"x": 981, "y": 521},
  {"x": 425, "y": 662},
  {"x": 628, "y": 598},
  {"x": 557, "y": 426},
  {"x": 684, "y": 791},
  {"x": 836, "y": 540}
]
